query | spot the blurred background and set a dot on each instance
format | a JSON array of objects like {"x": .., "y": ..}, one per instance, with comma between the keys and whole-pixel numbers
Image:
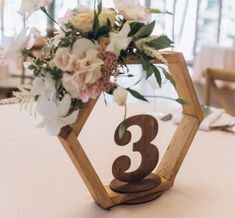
[{"x": 203, "y": 30}]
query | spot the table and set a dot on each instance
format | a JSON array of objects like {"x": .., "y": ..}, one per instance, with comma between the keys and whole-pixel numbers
[
  {"x": 38, "y": 179},
  {"x": 214, "y": 57}
]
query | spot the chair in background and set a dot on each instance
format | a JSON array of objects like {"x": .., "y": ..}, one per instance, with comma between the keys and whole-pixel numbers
[{"x": 212, "y": 75}]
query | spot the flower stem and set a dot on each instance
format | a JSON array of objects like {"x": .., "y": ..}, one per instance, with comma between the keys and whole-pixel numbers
[
  {"x": 157, "y": 96},
  {"x": 50, "y": 17},
  {"x": 125, "y": 112}
]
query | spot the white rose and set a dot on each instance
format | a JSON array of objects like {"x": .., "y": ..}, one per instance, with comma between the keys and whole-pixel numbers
[
  {"x": 120, "y": 96},
  {"x": 132, "y": 10},
  {"x": 105, "y": 15},
  {"x": 83, "y": 21}
]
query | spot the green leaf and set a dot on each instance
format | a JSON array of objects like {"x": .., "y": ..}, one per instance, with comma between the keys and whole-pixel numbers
[
  {"x": 121, "y": 131},
  {"x": 56, "y": 74},
  {"x": 144, "y": 61},
  {"x": 145, "y": 31},
  {"x": 182, "y": 101},
  {"x": 147, "y": 66},
  {"x": 157, "y": 75},
  {"x": 169, "y": 77},
  {"x": 96, "y": 24},
  {"x": 99, "y": 8},
  {"x": 135, "y": 27},
  {"x": 27, "y": 53},
  {"x": 137, "y": 94},
  {"x": 161, "y": 42},
  {"x": 104, "y": 30},
  {"x": 157, "y": 11}
]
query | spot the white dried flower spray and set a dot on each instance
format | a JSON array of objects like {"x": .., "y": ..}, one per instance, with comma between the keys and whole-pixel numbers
[
  {"x": 22, "y": 97},
  {"x": 142, "y": 45}
]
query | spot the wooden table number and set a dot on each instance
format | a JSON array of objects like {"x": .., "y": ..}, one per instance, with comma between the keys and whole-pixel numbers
[
  {"x": 141, "y": 179},
  {"x": 144, "y": 184}
]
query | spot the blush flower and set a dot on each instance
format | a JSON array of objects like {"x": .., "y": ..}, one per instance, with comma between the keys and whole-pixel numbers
[
  {"x": 84, "y": 67},
  {"x": 32, "y": 5},
  {"x": 62, "y": 58},
  {"x": 120, "y": 96},
  {"x": 132, "y": 10}
]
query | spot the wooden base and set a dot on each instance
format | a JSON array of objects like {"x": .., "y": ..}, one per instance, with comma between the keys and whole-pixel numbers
[
  {"x": 149, "y": 182},
  {"x": 144, "y": 199}
]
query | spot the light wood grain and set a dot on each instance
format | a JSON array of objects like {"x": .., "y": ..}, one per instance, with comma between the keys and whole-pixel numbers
[
  {"x": 83, "y": 116},
  {"x": 178, "y": 148},
  {"x": 86, "y": 170},
  {"x": 185, "y": 88}
]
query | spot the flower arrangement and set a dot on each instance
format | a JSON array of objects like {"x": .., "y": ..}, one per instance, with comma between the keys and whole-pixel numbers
[{"x": 83, "y": 59}]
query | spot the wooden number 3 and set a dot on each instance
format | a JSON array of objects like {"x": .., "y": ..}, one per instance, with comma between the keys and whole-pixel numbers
[{"x": 148, "y": 151}]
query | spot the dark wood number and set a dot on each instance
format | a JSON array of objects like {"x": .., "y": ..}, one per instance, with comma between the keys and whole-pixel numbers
[{"x": 148, "y": 151}]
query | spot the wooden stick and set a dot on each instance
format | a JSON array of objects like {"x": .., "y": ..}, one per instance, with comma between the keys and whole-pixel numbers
[
  {"x": 119, "y": 198},
  {"x": 185, "y": 88},
  {"x": 178, "y": 148},
  {"x": 86, "y": 170}
]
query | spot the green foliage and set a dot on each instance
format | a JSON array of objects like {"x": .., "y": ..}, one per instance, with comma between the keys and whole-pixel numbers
[
  {"x": 145, "y": 31},
  {"x": 151, "y": 69},
  {"x": 169, "y": 77},
  {"x": 122, "y": 58},
  {"x": 71, "y": 36},
  {"x": 104, "y": 30},
  {"x": 157, "y": 75},
  {"x": 157, "y": 11},
  {"x": 145, "y": 60},
  {"x": 137, "y": 95},
  {"x": 121, "y": 131},
  {"x": 56, "y": 73},
  {"x": 27, "y": 53},
  {"x": 96, "y": 24},
  {"x": 182, "y": 101},
  {"x": 135, "y": 27},
  {"x": 161, "y": 42}
]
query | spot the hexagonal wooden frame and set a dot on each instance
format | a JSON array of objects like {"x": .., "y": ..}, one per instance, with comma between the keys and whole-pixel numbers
[{"x": 174, "y": 156}]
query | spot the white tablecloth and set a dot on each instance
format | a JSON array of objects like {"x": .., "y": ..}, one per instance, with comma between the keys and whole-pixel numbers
[
  {"x": 214, "y": 57},
  {"x": 38, "y": 180}
]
